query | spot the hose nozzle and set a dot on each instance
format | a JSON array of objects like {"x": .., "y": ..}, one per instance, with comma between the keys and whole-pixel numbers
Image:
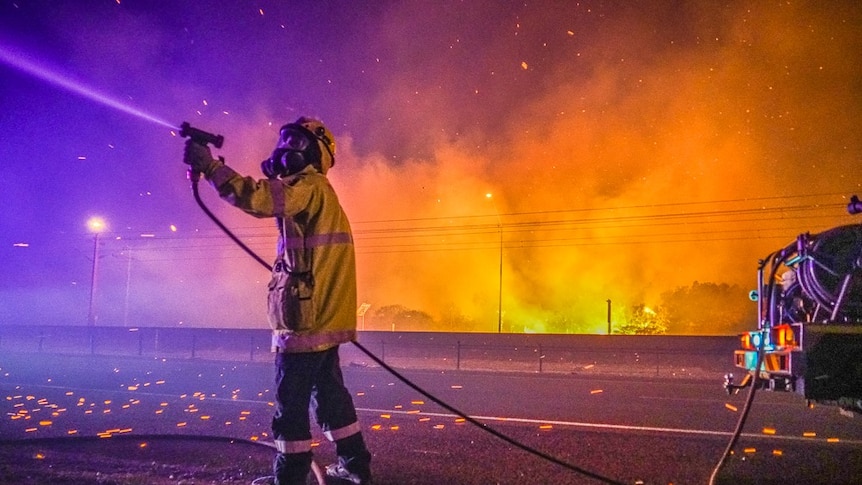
[{"x": 200, "y": 136}]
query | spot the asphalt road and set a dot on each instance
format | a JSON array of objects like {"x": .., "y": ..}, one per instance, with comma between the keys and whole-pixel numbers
[{"x": 612, "y": 430}]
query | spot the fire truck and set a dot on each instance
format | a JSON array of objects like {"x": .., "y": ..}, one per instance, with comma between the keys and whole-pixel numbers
[{"x": 809, "y": 336}]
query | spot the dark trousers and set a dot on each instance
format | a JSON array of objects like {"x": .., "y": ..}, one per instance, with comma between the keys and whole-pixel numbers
[{"x": 314, "y": 380}]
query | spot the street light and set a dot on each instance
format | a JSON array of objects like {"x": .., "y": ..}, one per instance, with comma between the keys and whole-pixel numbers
[
  {"x": 96, "y": 226},
  {"x": 490, "y": 197}
]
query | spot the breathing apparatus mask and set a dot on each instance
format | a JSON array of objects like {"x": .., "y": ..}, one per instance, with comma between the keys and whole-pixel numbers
[{"x": 301, "y": 143}]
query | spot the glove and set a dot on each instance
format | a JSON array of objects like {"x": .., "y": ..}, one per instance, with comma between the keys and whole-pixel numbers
[{"x": 197, "y": 156}]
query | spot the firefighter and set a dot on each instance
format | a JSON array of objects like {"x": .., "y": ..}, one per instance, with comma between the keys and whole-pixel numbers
[{"x": 312, "y": 295}]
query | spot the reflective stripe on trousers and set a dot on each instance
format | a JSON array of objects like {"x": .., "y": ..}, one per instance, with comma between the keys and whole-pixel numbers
[
  {"x": 340, "y": 433},
  {"x": 293, "y": 446}
]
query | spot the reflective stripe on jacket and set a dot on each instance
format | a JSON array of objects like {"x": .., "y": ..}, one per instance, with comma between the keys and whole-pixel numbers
[{"x": 318, "y": 240}]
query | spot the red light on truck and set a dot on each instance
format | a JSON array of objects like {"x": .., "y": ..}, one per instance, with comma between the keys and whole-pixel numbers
[{"x": 783, "y": 336}]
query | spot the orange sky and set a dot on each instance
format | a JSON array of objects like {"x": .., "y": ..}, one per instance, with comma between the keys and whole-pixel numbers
[{"x": 669, "y": 157}]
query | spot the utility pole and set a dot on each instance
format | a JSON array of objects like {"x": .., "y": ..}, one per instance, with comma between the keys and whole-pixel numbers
[
  {"x": 609, "y": 316},
  {"x": 500, "y": 287},
  {"x": 490, "y": 197}
]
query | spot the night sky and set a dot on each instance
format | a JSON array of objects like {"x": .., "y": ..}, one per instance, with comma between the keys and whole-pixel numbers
[{"x": 609, "y": 150}]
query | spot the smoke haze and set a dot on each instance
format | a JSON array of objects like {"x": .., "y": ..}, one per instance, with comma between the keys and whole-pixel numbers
[{"x": 539, "y": 158}]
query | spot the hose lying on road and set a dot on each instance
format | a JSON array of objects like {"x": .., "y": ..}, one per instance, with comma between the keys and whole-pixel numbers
[
  {"x": 740, "y": 424},
  {"x": 480, "y": 424}
]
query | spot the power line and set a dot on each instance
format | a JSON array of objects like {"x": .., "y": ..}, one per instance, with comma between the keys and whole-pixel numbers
[
  {"x": 627, "y": 229},
  {"x": 595, "y": 209}
]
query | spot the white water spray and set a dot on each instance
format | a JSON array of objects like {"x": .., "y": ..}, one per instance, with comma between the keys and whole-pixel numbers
[{"x": 20, "y": 62}]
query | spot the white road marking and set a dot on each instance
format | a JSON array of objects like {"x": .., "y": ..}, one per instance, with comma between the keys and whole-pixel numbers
[
  {"x": 617, "y": 427},
  {"x": 571, "y": 424}
]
